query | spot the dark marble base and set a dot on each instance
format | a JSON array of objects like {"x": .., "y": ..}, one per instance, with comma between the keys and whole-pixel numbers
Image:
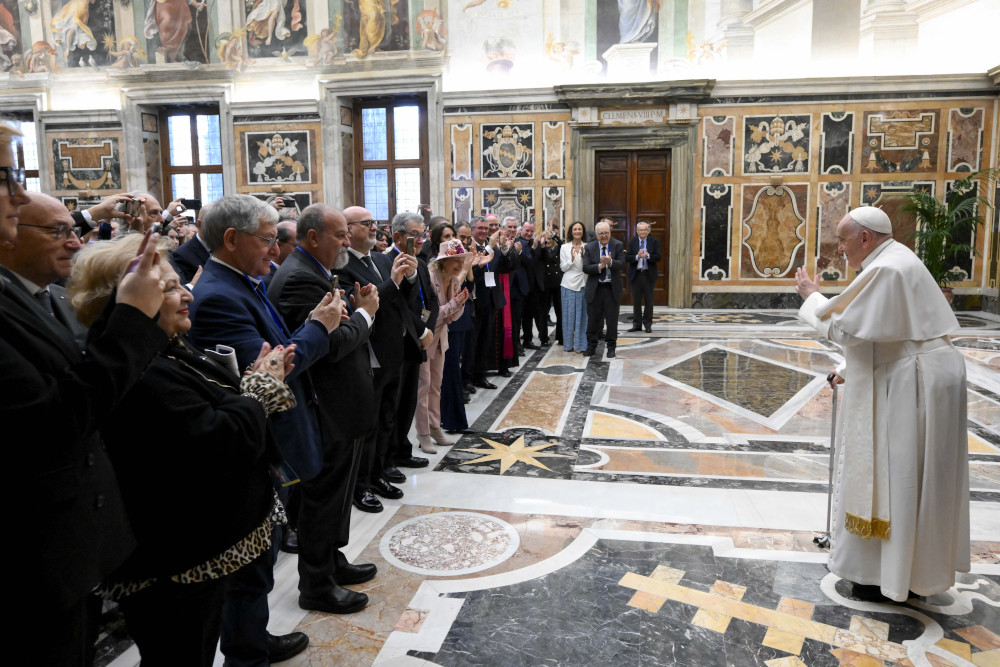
[{"x": 581, "y": 614}]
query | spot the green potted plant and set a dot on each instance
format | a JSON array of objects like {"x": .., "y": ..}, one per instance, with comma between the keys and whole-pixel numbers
[{"x": 946, "y": 228}]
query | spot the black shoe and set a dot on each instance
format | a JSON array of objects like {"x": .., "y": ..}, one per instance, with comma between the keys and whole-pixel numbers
[
  {"x": 382, "y": 487},
  {"x": 649, "y": 328},
  {"x": 589, "y": 352},
  {"x": 393, "y": 475},
  {"x": 484, "y": 384},
  {"x": 530, "y": 346},
  {"x": 610, "y": 352},
  {"x": 348, "y": 574},
  {"x": 635, "y": 327},
  {"x": 504, "y": 373},
  {"x": 544, "y": 343},
  {"x": 466, "y": 399},
  {"x": 412, "y": 462},
  {"x": 366, "y": 501},
  {"x": 462, "y": 431},
  {"x": 283, "y": 647},
  {"x": 868, "y": 593},
  {"x": 289, "y": 540},
  {"x": 337, "y": 601},
  {"x": 469, "y": 388}
]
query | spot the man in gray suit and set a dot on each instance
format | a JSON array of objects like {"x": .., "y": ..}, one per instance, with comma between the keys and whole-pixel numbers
[
  {"x": 43, "y": 254},
  {"x": 603, "y": 262}
]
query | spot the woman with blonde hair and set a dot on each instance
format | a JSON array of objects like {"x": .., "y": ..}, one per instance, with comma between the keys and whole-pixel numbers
[{"x": 196, "y": 487}]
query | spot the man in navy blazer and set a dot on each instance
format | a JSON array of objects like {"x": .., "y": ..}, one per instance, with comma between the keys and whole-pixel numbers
[
  {"x": 231, "y": 307},
  {"x": 641, "y": 258},
  {"x": 603, "y": 261},
  {"x": 190, "y": 255}
]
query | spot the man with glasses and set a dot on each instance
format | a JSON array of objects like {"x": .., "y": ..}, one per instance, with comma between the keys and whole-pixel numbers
[
  {"x": 43, "y": 254},
  {"x": 231, "y": 307},
  {"x": 391, "y": 337},
  {"x": 603, "y": 261}
]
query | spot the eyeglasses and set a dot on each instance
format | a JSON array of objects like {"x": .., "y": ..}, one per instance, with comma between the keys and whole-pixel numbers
[
  {"x": 416, "y": 235},
  {"x": 367, "y": 223},
  {"x": 269, "y": 240},
  {"x": 15, "y": 176},
  {"x": 62, "y": 232}
]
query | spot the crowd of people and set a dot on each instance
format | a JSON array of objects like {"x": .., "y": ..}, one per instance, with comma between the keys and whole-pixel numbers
[{"x": 212, "y": 384}]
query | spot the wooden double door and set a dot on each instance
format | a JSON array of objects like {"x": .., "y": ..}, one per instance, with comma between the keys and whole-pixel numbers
[{"x": 632, "y": 187}]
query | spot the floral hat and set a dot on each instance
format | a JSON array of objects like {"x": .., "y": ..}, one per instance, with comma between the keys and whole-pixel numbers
[{"x": 452, "y": 249}]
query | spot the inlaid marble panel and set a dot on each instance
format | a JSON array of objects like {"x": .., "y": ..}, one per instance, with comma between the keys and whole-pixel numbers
[
  {"x": 834, "y": 203},
  {"x": 554, "y": 204},
  {"x": 900, "y": 141},
  {"x": 716, "y": 230},
  {"x": 507, "y": 150},
  {"x": 718, "y": 141},
  {"x": 449, "y": 543},
  {"x": 347, "y": 171},
  {"x": 890, "y": 197},
  {"x": 773, "y": 230},
  {"x": 461, "y": 152},
  {"x": 462, "y": 203},
  {"x": 962, "y": 262},
  {"x": 776, "y": 144},
  {"x": 519, "y": 202},
  {"x": 965, "y": 139},
  {"x": 271, "y": 154},
  {"x": 837, "y": 143},
  {"x": 83, "y": 161},
  {"x": 554, "y": 149}
]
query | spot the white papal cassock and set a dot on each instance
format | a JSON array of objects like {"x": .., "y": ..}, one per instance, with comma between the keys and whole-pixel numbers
[{"x": 902, "y": 468}]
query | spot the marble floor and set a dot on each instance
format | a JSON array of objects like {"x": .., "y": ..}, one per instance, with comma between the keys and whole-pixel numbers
[{"x": 658, "y": 508}]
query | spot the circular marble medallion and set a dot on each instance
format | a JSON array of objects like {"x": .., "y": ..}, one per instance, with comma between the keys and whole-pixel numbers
[{"x": 449, "y": 543}]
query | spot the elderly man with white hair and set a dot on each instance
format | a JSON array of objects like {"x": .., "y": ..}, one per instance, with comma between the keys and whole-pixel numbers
[{"x": 901, "y": 494}]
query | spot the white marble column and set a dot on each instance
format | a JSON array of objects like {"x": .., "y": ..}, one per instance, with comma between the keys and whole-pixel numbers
[
  {"x": 888, "y": 30},
  {"x": 739, "y": 37}
]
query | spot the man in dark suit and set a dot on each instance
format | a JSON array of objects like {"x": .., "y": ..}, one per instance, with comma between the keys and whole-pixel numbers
[
  {"x": 641, "y": 258},
  {"x": 191, "y": 255},
  {"x": 231, "y": 307},
  {"x": 603, "y": 261},
  {"x": 343, "y": 381},
  {"x": 391, "y": 334},
  {"x": 423, "y": 311},
  {"x": 488, "y": 299},
  {"x": 79, "y": 532},
  {"x": 524, "y": 286}
]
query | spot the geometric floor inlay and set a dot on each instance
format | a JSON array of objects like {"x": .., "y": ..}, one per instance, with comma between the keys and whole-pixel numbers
[{"x": 449, "y": 543}]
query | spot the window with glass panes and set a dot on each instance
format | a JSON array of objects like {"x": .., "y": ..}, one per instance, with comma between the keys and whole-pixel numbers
[
  {"x": 192, "y": 154},
  {"x": 27, "y": 153},
  {"x": 390, "y": 141}
]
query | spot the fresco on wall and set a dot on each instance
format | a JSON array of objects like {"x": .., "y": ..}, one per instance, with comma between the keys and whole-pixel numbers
[
  {"x": 432, "y": 30},
  {"x": 776, "y": 144},
  {"x": 79, "y": 29},
  {"x": 126, "y": 54},
  {"x": 900, "y": 141},
  {"x": 275, "y": 28},
  {"x": 84, "y": 161},
  {"x": 229, "y": 47},
  {"x": 773, "y": 230},
  {"x": 178, "y": 29},
  {"x": 507, "y": 150},
  {"x": 10, "y": 33},
  {"x": 503, "y": 38},
  {"x": 376, "y": 25},
  {"x": 324, "y": 47},
  {"x": 628, "y": 22}
]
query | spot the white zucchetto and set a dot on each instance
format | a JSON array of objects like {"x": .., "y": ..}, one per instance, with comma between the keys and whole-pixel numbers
[{"x": 873, "y": 218}]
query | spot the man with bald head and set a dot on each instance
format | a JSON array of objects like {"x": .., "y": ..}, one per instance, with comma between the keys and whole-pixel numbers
[
  {"x": 342, "y": 381},
  {"x": 43, "y": 254},
  {"x": 901, "y": 489},
  {"x": 286, "y": 239}
]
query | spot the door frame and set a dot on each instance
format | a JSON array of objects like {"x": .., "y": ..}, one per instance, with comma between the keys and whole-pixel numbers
[{"x": 680, "y": 139}]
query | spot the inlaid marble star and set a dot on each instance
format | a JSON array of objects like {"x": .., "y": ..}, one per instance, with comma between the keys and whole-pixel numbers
[
  {"x": 509, "y": 455},
  {"x": 776, "y": 155}
]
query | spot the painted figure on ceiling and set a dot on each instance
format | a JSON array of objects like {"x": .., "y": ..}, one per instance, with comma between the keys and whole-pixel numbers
[
  {"x": 10, "y": 37},
  {"x": 431, "y": 30},
  {"x": 230, "y": 51},
  {"x": 127, "y": 54},
  {"x": 171, "y": 21},
  {"x": 372, "y": 27},
  {"x": 322, "y": 47},
  {"x": 266, "y": 20},
  {"x": 637, "y": 19},
  {"x": 70, "y": 28},
  {"x": 42, "y": 58}
]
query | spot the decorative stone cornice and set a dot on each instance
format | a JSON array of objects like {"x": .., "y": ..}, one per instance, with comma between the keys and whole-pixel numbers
[
  {"x": 994, "y": 75},
  {"x": 792, "y": 88},
  {"x": 635, "y": 94},
  {"x": 771, "y": 10}
]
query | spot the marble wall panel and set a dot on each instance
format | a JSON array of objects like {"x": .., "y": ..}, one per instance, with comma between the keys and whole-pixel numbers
[
  {"x": 554, "y": 205},
  {"x": 507, "y": 150},
  {"x": 461, "y": 152},
  {"x": 347, "y": 169},
  {"x": 965, "y": 139},
  {"x": 773, "y": 230},
  {"x": 776, "y": 143},
  {"x": 83, "y": 161},
  {"x": 718, "y": 140},
  {"x": 277, "y": 154},
  {"x": 890, "y": 197},
  {"x": 993, "y": 259},
  {"x": 716, "y": 226},
  {"x": 519, "y": 202},
  {"x": 900, "y": 141},
  {"x": 462, "y": 203},
  {"x": 837, "y": 143},
  {"x": 834, "y": 203},
  {"x": 154, "y": 172},
  {"x": 554, "y": 149},
  {"x": 962, "y": 268}
]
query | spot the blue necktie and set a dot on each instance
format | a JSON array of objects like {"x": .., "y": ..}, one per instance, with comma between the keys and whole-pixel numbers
[{"x": 604, "y": 271}]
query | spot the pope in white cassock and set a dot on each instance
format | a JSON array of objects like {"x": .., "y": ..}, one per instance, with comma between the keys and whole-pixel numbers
[{"x": 901, "y": 489}]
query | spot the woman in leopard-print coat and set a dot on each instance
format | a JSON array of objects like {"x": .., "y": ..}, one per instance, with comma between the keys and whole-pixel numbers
[{"x": 192, "y": 453}]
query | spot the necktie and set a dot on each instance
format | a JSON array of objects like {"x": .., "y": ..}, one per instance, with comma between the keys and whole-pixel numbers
[
  {"x": 642, "y": 262},
  {"x": 367, "y": 259},
  {"x": 44, "y": 300},
  {"x": 258, "y": 289},
  {"x": 604, "y": 271}
]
